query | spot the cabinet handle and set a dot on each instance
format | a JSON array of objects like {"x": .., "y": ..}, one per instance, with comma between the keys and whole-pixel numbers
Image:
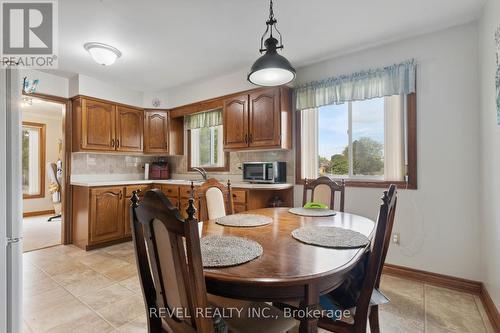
[
  {"x": 246, "y": 138},
  {"x": 112, "y": 142},
  {"x": 250, "y": 138},
  {"x": 117, "y": 143}
]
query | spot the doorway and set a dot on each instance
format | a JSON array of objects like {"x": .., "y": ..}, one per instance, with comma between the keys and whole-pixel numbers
[{"x": 43, "y": 184}]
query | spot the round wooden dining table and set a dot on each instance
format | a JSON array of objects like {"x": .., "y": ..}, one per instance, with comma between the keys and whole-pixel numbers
[{"x": 288, "y": 270}]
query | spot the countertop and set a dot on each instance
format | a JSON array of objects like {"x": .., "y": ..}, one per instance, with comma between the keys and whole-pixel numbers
[{"x": 251, "y": 186}]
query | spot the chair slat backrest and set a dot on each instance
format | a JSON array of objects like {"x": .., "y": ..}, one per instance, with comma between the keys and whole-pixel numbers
[
  {"x": 215, "y": 199},
  {"x": 323, "y": 190},
  {"x": 169, "y": 262},
  {"x": 378, "y": 251}
]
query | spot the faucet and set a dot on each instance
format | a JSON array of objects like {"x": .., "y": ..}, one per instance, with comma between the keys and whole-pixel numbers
[{"x": 202, "y": 172}]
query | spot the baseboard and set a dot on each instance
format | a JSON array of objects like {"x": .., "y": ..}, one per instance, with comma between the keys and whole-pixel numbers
[
  {"x": 41, "y": 212},
  {"x": 440, "y": 280},
  {"x": 491, "y": 309},
  {"x": 450, "y": 282}
]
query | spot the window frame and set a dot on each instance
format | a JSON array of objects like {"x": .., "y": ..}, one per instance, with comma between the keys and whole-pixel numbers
[
  {"x": 224, "y": 168},
  {"x": 411, "y": 128},
  {"x": 41, "y": 168}
]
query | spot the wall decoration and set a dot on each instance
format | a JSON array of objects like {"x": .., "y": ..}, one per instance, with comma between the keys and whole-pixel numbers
[
  {"x": 156, "y": 102},
  {"x": 497, "y": 77}
]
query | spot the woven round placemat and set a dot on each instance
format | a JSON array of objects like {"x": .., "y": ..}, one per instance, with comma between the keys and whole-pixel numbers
[
  {"x": 312, "y": 211},
  {"x": 244, "y": 220},
  {"x": 224, "y": 251},
  {"x": 330, "y": 237}
]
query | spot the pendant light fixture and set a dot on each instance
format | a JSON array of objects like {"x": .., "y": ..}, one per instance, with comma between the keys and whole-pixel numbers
[{"x": 271, "y": 69}]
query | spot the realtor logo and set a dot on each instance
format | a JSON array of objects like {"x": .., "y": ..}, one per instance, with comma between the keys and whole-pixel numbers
[{"x": 29, "y": 33}]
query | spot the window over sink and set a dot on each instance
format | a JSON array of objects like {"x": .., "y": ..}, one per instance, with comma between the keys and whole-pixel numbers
[{"x": 205, "y": 141}]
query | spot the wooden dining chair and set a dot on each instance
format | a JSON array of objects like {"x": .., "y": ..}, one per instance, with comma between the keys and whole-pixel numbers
[
  {"x": 369, "y": 296},
  {"x": 169, "y": 262},
  {"x": 215, "y": 199},
  {"x": 323, "y": 191}
]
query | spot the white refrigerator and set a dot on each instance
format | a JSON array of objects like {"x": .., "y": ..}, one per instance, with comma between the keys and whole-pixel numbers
[{"x": 10, "y": 202}]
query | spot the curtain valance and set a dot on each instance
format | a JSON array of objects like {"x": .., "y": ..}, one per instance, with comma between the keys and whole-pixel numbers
[
  {"x": 204, "y": 119},
  {"x": 392, "y": 80}
]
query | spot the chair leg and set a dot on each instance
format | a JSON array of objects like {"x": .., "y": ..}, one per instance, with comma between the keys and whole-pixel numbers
[{"x": 373, "y": 318}]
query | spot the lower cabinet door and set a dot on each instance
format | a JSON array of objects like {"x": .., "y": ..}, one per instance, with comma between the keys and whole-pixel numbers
[
  {"x": 106, "y": 214},
  {"x": 238, "y": 208},
  {"x": 127, "y": 215}
]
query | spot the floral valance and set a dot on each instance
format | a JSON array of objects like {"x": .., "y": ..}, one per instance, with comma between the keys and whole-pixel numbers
[
  {"x": 392, "y": 80},
  {"x": 203, "y": 119}
]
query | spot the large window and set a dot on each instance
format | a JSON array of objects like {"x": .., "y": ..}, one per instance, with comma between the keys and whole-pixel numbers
[
  {"x": 368, "y": 143},
  {"x": 33, "y": 160},
  {"x": 205, "y": 141}
]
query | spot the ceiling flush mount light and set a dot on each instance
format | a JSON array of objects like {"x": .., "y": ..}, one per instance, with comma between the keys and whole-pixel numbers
[
  {"x": 271, "y": 69},
  {"x": 103, "y": 54}
]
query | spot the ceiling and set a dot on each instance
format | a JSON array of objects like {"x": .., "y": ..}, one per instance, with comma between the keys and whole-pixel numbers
[{"x": 167, "y": 43}]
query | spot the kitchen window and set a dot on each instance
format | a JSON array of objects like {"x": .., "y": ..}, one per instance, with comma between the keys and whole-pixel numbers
[
  {"x": 369, "y": 142},
  {"x": 33, "y": 160},
  {"x": 205, "y": 141}
]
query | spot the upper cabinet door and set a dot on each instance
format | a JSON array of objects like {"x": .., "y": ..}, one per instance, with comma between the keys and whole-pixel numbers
[
  {"x": 236, "y": 122},
  {"x": 129, "y": 128},
  {"x": 156, "y": 132},
  {"x": 264, "y": 115},
  {"x": 98, "y": 125}
]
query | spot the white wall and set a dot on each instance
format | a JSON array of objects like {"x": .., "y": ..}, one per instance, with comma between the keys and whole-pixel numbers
[
  {"x": 490, "y": 152},
  {"x": 199, "y": 91},
  {"x": 85, "y": 85},
  {"x": 439, "y": 222},
  {"x": 49, "y": 84},
  {"x": 53, "y": 130}
]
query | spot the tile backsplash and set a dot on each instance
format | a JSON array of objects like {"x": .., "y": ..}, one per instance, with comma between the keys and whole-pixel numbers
[
  {"x": 100, "y": 164},
  {"x": 178, "y": 164},
  {"x": 86, "y": 165}
]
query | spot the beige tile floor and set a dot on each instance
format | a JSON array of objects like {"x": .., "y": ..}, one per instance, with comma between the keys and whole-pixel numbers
[
  {"x": 38, "y": 233},
  {"x": 70, "y": 290}
]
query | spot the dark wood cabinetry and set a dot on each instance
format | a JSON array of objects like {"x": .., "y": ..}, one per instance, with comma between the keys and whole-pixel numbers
[{"x": 261, "y": 119}]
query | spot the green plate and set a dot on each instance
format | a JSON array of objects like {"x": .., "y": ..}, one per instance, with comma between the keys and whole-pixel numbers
[{"x": 315, "y": 205}]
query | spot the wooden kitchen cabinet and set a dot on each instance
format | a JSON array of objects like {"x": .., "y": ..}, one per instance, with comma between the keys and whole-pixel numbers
[
  {"x": 156, "y": 129},
  {"x": 104, "y": 126},
  {"x": 106, "y": 214},
  {"x": 163, "y": 135},
  {"x": 261, "y": 119},
  {"x": 129, "y": 129},
  {"x": 236, "y": 122},
  {"x": 96, "y": 125},
  {"x": 127, "y": 222}
]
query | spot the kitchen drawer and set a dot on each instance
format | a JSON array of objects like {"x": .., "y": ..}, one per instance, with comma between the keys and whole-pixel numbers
[
  {"x": 171, "y": 191},
  {"x": 240, "y": 208},
  {"x": 185, "y": 191},
  {"x": 131, "y": 188},
  {"x": 239, "y": 196},
  {"x": 174, "y": 201}
]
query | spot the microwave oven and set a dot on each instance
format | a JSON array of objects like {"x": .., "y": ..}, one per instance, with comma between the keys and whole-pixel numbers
[{"x": 264, "y": 172}]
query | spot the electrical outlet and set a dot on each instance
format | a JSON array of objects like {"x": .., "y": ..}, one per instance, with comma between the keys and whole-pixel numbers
[{"x": 396, "y": 238}]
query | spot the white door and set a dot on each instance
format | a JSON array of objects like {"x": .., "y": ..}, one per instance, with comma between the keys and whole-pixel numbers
[{"x": 10, "y": 203}]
